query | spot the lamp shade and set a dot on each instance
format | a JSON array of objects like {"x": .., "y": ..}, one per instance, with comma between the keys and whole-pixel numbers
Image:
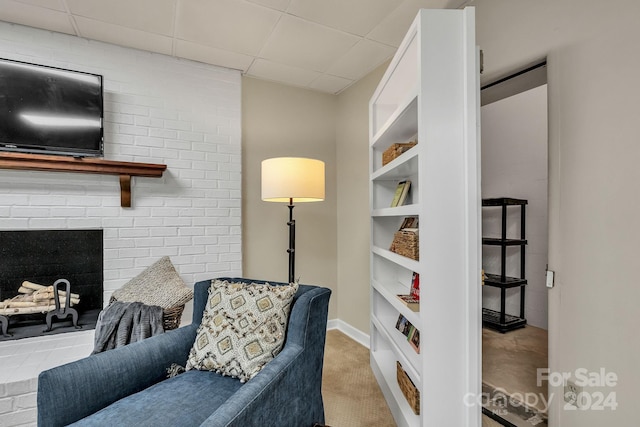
[{"x": 297, "y": 178}]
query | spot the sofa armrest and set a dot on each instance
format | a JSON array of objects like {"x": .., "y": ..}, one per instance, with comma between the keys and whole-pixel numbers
[
  {"x": 73, "y": 391},
  {"x": 287, "y": 392}
]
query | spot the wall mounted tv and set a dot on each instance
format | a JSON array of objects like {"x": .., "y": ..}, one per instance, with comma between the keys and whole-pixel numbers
[{"x": 50, "y": 110}]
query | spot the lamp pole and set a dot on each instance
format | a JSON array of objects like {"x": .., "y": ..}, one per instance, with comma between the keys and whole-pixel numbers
[{"x": 292, "y": 242}]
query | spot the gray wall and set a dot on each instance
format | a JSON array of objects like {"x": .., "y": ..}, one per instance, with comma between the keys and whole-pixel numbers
[
  {"x": 283, "y": 121},
  {"x": 514, "y": 164},
  {"x": 593, "y": 66}
]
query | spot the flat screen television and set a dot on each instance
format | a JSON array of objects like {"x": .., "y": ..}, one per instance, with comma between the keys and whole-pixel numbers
[{"x": 50, "y": 110}]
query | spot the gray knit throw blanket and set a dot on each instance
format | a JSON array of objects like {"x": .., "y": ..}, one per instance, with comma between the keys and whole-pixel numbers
[{"x": 122, "y": 323}]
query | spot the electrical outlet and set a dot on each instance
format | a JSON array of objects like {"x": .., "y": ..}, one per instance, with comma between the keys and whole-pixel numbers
[{"x": 571, "y": 393}]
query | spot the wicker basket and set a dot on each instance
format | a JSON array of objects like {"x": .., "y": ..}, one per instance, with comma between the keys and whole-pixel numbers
[
  {"x": 170, "y": 316},
  {"x": 411, "y": 393},
  {"x": 395, "y": 150},
  {"x": 405, "y": 243}
]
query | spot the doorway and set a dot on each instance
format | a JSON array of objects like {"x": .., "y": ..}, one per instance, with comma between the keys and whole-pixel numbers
[{"x": 514, "y": 298}]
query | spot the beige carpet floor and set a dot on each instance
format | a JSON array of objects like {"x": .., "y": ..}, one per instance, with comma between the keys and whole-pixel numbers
[{"x": 352, "y": 397}]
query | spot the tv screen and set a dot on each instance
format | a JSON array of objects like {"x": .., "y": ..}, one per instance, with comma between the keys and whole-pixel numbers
[{"x": 50, "y": 110}]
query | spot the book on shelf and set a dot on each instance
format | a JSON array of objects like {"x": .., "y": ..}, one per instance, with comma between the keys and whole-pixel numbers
[
  {"x": 405, "y": 192},
  {"x": 412, "y": 303},
  {"x": 410, "y": 223},
  {"x": 403, "y": 325},
  {"x": 408, "y": 330},
  {"x": 415, "y": 286},
  {"x": 400, "y": 194},
  {"x": 414, "y": 338}
]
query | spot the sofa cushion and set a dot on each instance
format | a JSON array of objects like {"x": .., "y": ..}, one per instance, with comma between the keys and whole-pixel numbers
[
  {"x": 185, "y": 400},
  {"x": 159, "y": 284},
  {"x": 243, "y": 327}
]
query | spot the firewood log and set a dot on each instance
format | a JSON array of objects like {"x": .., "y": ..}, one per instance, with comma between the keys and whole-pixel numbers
[
  {"x": 37, "y": 287},
  {"x": 16, "y": 299},
  {"x": 14, "y": 304},
  {"x": 31, "y": 285},
  {"x": 73, "y": 301},
  {"x": 42, "y": 296},
  {"x": 21, "y": 298},
  {"x": 27, "y": 310}
]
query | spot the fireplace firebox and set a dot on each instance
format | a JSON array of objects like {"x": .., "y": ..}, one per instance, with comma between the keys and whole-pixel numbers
[{"x": 42, "y": 258}]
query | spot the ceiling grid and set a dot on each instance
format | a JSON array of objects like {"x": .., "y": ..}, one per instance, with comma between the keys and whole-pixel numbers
[{"x": 325, "y": 45}]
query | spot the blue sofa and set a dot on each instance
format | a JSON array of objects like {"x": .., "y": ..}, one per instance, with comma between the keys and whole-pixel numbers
[{"x": 128, "y": 386}]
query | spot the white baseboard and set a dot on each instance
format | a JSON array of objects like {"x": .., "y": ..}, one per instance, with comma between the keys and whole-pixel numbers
[{"x": 353, "y": 333}]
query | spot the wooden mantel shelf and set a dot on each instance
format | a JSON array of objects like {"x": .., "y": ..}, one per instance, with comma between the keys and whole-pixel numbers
[{"x": 43, "y": 162}]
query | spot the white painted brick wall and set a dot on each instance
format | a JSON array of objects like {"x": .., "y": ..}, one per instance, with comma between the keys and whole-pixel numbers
[
  {"x": 18, "y": 403},
  {"x": 158, "y": 109}
]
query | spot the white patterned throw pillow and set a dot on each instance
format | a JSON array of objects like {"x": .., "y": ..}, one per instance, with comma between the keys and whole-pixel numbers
[{"x": 243, "y": 328}]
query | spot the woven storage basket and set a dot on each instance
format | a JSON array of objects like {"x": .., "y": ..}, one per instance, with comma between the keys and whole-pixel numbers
[
  {"x": 170, "y": 316},
  {"x": 411, "y": 393},
  {"x": 405, "y": 243},
  {"x": 395, "y": 150}
]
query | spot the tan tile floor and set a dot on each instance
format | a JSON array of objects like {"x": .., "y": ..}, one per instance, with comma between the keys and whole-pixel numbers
[{"x": 510, "y": 361}]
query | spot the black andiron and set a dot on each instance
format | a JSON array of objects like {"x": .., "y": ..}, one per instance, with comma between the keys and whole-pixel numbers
[
  {"x": 62, "y": 312},
  {"x": 4, "y": 323}
]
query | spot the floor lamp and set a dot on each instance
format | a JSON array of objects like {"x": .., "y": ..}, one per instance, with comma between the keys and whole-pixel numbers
[{"x": 292, "y": 180}]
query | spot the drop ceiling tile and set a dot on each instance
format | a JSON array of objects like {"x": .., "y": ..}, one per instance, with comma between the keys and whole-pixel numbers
[
  {"x": 47, "y": 4},
  {"x": 362, "y": 58},
  {"x": 273, "y": 4},
  {"x": 330, "y": 84},
  {"x": 392, "y": 29},
  {"x": 212, "y": 55},
  {"x": 268, "y": 70},
  {"x": 32, "y": 16},
  {"x": 353, "y": 16},
  {"x": 155, "y": 16},
  {"x": 123, "y": 36},
  {"x": 226, "y": 24},
  {"x": 305, "y": 44}
]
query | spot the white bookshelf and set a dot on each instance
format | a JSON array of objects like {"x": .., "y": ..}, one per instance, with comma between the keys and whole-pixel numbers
[{"x": 430, "y": 91}]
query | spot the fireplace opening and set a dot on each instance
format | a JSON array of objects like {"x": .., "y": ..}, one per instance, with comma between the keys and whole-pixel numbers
[{"x": 31, "y": 261}]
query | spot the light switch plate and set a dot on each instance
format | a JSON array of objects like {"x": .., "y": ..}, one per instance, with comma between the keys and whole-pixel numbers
[{"x": 550, "y": 277}]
